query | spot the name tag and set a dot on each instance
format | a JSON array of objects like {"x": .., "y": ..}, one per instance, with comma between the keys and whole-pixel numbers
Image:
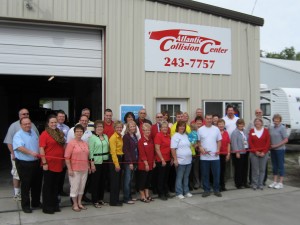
[
  {"x": 253, "y": 134},
  {"x": 145, "y": 143}
]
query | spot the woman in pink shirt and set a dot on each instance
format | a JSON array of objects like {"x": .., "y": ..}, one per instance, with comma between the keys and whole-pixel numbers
[{"x": 77, "y": 161}]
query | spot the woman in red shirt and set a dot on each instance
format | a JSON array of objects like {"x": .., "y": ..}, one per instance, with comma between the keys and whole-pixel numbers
[
  {"x": 259, "y": 142},
  {"x": 51, "y": 143},
  {"x": 146, "y": 163},
  {"x": 224, "y": 153},
  {"x": 163, "y": 158}
]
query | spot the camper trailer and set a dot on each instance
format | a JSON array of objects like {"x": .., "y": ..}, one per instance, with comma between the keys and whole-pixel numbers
[{"x": 286, "y": 102}]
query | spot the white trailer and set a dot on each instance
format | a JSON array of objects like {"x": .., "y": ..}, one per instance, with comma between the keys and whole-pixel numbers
[{"x": 286, "y": 102}]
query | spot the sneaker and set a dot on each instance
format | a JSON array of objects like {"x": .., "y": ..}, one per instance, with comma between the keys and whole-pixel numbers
[
  {"x": 17, "y": 197},
  {"x": 272, "y": 185},
  {"x": 278, "y": 186},
  {"x": 188, "y": 195},
  {"x": 180, "y": 196}
]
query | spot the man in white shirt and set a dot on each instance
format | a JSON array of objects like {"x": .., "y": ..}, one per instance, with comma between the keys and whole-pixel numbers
[
  {"x": 210, "y": 137},
  {"x": 230, "y": 119}
]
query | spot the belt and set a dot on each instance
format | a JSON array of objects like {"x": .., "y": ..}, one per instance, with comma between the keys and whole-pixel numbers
[{"x": 99, "y": 154}]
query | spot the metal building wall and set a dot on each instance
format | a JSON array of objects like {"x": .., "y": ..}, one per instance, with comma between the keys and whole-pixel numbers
[{"x": 126, "y": 80}]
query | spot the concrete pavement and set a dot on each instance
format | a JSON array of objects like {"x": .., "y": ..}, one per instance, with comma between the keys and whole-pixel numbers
[{"x": 243, "y": 206}]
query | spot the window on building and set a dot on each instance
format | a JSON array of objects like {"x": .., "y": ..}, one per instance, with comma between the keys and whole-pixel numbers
[{"x": 219, "y": 107}]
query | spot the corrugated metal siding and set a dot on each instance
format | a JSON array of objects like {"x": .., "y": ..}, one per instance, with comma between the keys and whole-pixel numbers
[{"x": 126, "y": 80}]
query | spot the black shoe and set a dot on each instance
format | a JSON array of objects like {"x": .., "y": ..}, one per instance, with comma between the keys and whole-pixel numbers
[
  {"x": 37, "y": 206},
  {"x": 218, "y": 194},
  {"x": 116, "y": 204},
  {"x": 63, "y": 194},
  {"x": 247, "y": 186},
  {"x": 47, "y": 211},
  {"x": 163, "y": 197},
  {"x": 57, "y": 210},
  {"x": 223, "y": 189},
  {"x": 169, "y": 196},
  {"x": 239, "y": 187},
  {"x": 205, "y": 194},
  {"x": 27, "y": 210},
  {"x": 86, "y": 199}
]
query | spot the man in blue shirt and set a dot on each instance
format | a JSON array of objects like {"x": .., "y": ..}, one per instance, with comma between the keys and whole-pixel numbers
[{"x": 26, "y": 149}]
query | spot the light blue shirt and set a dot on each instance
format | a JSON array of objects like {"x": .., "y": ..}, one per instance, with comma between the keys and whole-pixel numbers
[
  {"x": 28, "y": 140},
  {"x": 64, "y": 128}
]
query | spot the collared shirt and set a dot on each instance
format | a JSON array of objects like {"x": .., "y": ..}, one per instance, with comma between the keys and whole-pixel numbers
[
  {"x": 109, "y": 129},
  {"x": 116, "y": 148},
  {"x": 99, "y": 149},
  {"x": 90, "y": 126},
  {"x": 278, "y": 134},
  {"x": 85, "y": 137},
  {"x": 13, "y": 129},
  {"x": 78, "y": 153},
  {"x": 173, "y": 129},
  {"x": 164, "y": 142},
  {"x": 64, "y": 128},
  {"x": 28, "y": 140}
]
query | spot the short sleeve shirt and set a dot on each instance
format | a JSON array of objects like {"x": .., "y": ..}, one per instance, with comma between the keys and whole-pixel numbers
[
  {"x": 164, "y": 142},
  {"x": 181, "y": 143},
  {"x": 278, "y": 134}
]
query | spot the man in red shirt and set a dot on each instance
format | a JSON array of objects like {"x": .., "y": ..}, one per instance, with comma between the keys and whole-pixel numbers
[{"x": 108, "y": 123}]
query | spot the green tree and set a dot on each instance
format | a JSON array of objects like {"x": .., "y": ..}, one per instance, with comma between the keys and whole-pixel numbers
[{"x": 287, "y": 53}]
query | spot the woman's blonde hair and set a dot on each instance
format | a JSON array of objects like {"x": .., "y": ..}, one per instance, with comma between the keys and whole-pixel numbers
[
  {"x": 127, "y": 126},
  {"x": 117, "y": 123}
]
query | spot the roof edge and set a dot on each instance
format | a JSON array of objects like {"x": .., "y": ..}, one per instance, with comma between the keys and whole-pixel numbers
[{"x": 217, "y": 11}]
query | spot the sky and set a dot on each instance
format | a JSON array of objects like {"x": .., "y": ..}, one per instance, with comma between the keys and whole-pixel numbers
[{"x": 281, "y": 27}]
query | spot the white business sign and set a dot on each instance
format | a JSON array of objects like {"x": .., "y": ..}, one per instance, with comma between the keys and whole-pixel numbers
[{"x": 188, "y": 48}]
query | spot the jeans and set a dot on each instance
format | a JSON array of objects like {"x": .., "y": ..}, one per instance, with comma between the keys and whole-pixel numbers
[
  {"x": 182, "y": 174},
  {"x": 206, "y": 167},
  {"x": 128, "y": 175},
  {"x": 277, "y": 157}
]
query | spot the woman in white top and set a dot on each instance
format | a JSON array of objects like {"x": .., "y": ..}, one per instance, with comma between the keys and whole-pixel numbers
[
  {"x": 129, "y": 116},
  {"x": 182, "y": 155}
]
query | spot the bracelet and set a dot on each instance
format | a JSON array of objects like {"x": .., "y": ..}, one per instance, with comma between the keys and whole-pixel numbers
[{"x": 45, "y": 164}]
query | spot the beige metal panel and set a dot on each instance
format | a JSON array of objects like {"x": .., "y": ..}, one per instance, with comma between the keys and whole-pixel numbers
[
  {"x": 88, "y": 11},
  {"x": 60, "y": 10},
  {"x": 3, "y": 8},
  {"x": 15, "y": 8},
  {"x": 101, "y": 12},
  {"x": 45, "y": 11},
  {"x": 74, "y": 11}
]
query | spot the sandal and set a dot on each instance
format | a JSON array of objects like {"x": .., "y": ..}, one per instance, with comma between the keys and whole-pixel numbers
[
  {"x": 82, "y": 207},
  {"x": 76, "y": 209},
  {"x": 150, "y": 199},
  {"x": 101, "y": 202},
  {"x": 144, "y": 200},
  {"x": 97, "y": 205}
]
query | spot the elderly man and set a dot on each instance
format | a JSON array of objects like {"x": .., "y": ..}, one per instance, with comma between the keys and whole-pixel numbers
[
  {"x": 142, "y": 119},
  {"x": 13, "y": 129},
  {"x": 156, "y": 127},
  {"x": 26, "y": 149}
]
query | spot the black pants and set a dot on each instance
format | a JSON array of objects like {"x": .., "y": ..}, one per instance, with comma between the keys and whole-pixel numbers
[
  {"x": 240, "y": 169},
  {"x": 222, "y": 170},
  {"x": 61, "y": 181},
  {"x": 115, "y": 183},
  {"x": 50, "y": 190},
  {"x": 98, "y": 182},
  {"x": 30, "y": 174},
  {"x": 162, "y": 178},
  {"x": 172, "y": 178}
]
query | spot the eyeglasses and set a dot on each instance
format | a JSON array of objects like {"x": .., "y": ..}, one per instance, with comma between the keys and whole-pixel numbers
[
  {"x": 159, "y": 117},
  {"x": 24, "y": 114},
  {"x": 258, "y": 112}
]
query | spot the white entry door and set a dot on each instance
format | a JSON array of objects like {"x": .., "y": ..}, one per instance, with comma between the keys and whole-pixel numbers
[{"x": 171, "y": 106}]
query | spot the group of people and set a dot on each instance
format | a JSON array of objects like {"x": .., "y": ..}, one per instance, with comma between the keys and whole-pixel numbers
[{"x": 139, "y": 155}]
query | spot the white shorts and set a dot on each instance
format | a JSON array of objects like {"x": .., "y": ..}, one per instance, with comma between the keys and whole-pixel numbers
[
  {"x": 14, "y": 171},
  {"x": 77, "y": 183}
]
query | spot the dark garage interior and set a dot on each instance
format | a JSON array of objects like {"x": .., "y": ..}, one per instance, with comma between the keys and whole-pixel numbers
[{"x": 18, "y": 92}]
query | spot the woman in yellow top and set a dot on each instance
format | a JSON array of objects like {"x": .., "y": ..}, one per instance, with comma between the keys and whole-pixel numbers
[{"x": 116, "y": 153}]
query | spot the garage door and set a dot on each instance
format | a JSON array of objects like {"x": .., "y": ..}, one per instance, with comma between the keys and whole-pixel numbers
[{"x": 46, "y": 50}]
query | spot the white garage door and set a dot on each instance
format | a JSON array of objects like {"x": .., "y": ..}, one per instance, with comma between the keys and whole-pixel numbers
[{"x": 44, "y": 50}]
